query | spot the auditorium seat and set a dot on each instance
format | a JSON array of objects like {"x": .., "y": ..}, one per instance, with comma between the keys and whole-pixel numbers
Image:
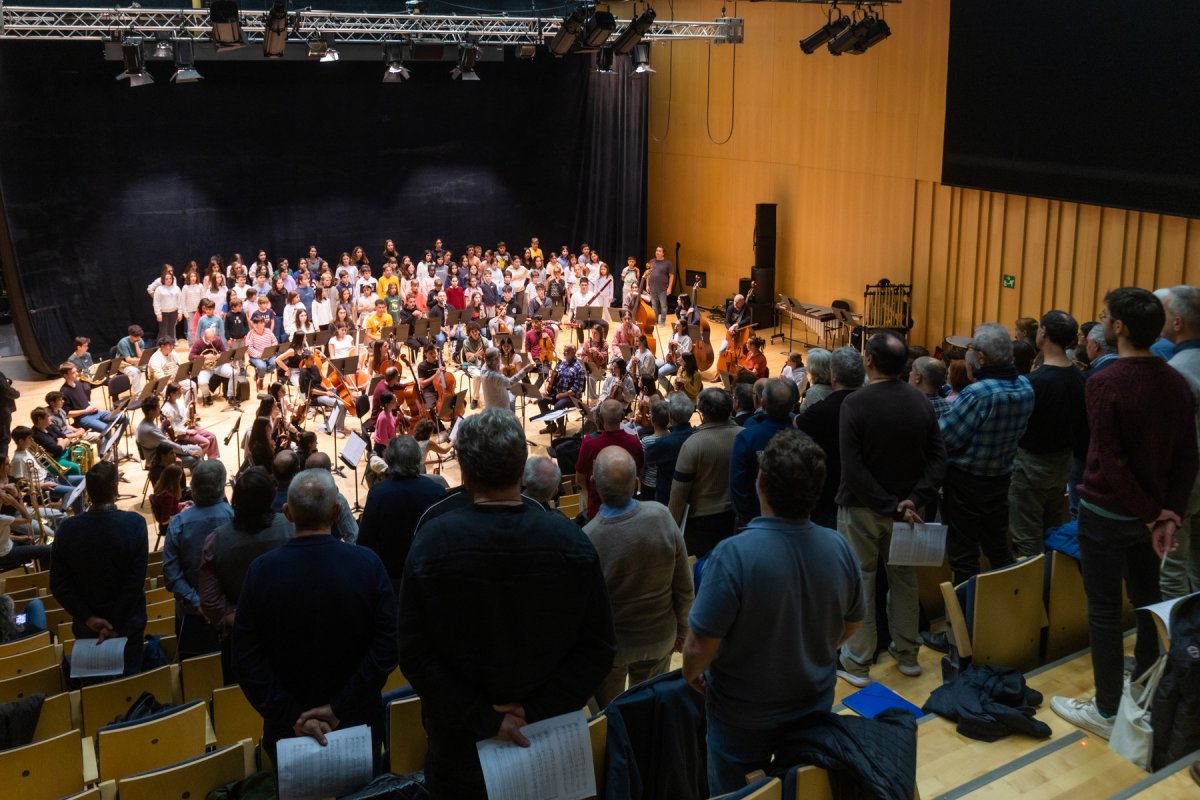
[
  {"x": 1066, "y": 608},
  {"x": 1006, "y": 627},
  {"x": 44, "y": 770},
  {"x": 598, "y": 733},
  {"x": 35, "y": 642},
  {"x": 30, "y": 580},
  {"x": 105, "y": 702},
  {"x": 31, "y": 661},
  {"x": 201, "y": 676},
  {"x": 128, "y": 749},
  {"x": 42, "y": 681},
  {"x": 56, "y": 717},
  {"x": 406, "y": 736},
  {"x": 234, "y": 718},
  {"x": 193, "y": 778}
]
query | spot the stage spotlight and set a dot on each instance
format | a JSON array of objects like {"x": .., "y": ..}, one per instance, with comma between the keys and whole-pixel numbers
[
  {"x": 185, "y": 63},
  {"x": 633, "y": 34},
  {"x": 393, "y": 55},
  {"x": 641, "y": 59},
  {"x": 859, "y": 37},
  {"x": 226, "y": 22},
  {"x": 810, "y": 43},
  {"x": 162, "y": 45},
  {"x": 465, "y": 71},
  {"x": 604, "y": 60},
  {"x": 276, "y": 30},
  {"x": 568, "y": 33},
  {"x": 135, "y": 61},
  {"x": 526, "y": 52},
  {"x": 331, "y": 53},
  {"x": 317, "y": 46},
  {"x": 597, "y": 29}
]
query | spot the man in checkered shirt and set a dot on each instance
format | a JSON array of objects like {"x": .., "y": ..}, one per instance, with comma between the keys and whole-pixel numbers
[{"x": 981, "y": 431}]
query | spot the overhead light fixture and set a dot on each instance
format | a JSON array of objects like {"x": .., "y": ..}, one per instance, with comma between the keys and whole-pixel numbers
[
  {"x": 162, "y": 45},
  {"x": 416, "y": 6},
  {"x": 275, "y": 31},
  {"x": 829, "y": 30},
  {"x": 641, "y": 59},
  {"x": 185, "y": 63},
  {"x": 226, "y": 22},
  {"x": 860, "y": 37},
  {"x": 568, "y": 33},
  {"x": 597, "y": 29},
  {"x": 468, "y": 51},
  {"x": 633, "y": 34},
  {"x": 135, "y": 61},
  {"x": 393, "y": 56},
  {"x": 331, "y": 53},
  {"x": 317, "y": 46},
  {"x": 526, "y": 52},
  {"x": 604, "y": 60}
]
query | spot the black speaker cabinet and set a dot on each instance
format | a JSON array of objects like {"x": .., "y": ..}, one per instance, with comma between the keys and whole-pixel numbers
[{"x": 764, "y": 235}]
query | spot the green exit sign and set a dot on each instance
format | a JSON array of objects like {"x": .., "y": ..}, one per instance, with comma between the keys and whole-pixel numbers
[{"x": 1010, "y": 281}]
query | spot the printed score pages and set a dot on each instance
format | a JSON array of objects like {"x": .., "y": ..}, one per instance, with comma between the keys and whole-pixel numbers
[
  {"x": 309, "y": 771},
  {"x": 92, "y": 660},
  {"x": 557, "y": 765},
  {"x": 921, "y": 545}
]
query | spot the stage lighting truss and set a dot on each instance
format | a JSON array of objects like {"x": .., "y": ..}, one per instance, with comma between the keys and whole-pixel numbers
[{"x": 108, "y": 24}]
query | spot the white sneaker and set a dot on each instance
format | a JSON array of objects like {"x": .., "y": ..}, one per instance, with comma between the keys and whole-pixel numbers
[
  {"x": 1083, "y": 714},
  {"x": 852, "y": 678},
  {"x": 911, "y": 670}
]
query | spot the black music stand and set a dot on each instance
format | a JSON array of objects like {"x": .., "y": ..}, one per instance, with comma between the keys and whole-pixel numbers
[
  {"x": 793, "y": 309},
  {"x": 345, "y": 366},
  {"x": 147, "y": 354},
  {"x": 237, "y": 423},
  {"x": 102, "y": 370},
  {"x": 453, "y": 316},
  {"x": 321, "y": 338},
  {"x": 527, "y": 392},
  {"x": 351, "y": 455}
]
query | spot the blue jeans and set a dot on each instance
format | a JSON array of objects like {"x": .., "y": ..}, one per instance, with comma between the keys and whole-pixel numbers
[
  {"x": 261, "y": 368},
  {"x": 98, "y": 422},
  {"x": 35, "y": 617},
  {"x": 734, "y": 751},
  {"x": 67, "y": 484},
  {"x": 658, "y": 300}
]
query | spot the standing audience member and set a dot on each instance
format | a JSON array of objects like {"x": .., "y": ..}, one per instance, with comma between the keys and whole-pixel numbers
[
  {"x": 466, "y": 590},
  {"x": 743, "y": 462},
  {"x": 822, "y": 422},
  {"x": 776, "y": 602},
  {"x": 981, "y": 432},
  {"x": 609, "y": 416},
  {"x": 646, "y": 568},
  {"x": 1181, "y": 570},
  {"x": 346, "y": 527},
  {"x": 182, "y": 551},
  {"x": 98, "y": 568},
  {"x": 700, "y": 486},
  {"x": 394, "y": 506},
  {"x": 1056, "y": 433},
  {"x": 1141, "y": 464},
  {"x": 892, "y": 461},
  {"x": 663, "y": 451},
  {"x": 542, "y": 480},
  {"x": 929, "y": 375},
  {"x": 314, "y": 637},
  {"x": 229, "y": 550},
  {"x": 1101, "y": 353},
  {"x": 819, "y": 378}
]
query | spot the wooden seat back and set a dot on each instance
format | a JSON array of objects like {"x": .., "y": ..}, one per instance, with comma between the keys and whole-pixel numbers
[
  {"x": 191, "y": 779},
  {"x": 50, "y": 768},
  {"x": 1066, "y": 613},
  {"x": 151, "y": 745},
  {"x": 46, "y": 681},
  {"x": 406, "y": 736},
  {"x": 234, "y": 718},
  {"x": 105, "y": 702}
]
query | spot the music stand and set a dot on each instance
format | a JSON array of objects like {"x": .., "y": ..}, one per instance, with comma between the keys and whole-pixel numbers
[
  {"x": 453, "y": 316},
  {"x": 237, "y": 423},
  {"x": 555, "y": 314},
  {"x": 402, "y": 331},
  {"x": 225, "y": 357},
  {"x": 691, "y": 276},
  {"x": 615, "y": 312},
  {"x": 321, "y": 338},
  {"x": 102, "y": 371},
  {"x": 346, "y": 365},
  {"x": 519, "y": 319},
  {"x": 147, "y": 354},
  {"x": 527, "y": 392},
  {"x": 352, "y": 453},
  {"x": 269, "y": 351},
  {"x": 190, "y": 370},
  {"x": 589, "y": 314},
  {"x": 626, "y": 352}
]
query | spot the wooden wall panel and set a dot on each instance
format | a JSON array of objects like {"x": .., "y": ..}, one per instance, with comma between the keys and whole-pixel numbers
[{"x": 850, "y": 149}]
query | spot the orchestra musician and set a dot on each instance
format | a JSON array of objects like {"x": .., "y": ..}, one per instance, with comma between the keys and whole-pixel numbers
[
  {"x": 618, "y": 385},
  {"x": 496, "y": 382},
  {"x": 341, "y": 344},
  {"x": 209, "y": 347},
  {"x": 257, "y": 340},
  {"x": 150, "y": 435},
  {"x": 377, "y": 320},
  {"x": 685, "y": 312},
  {"x": 582, "y": 298},
  {"x": 312, "y": 387},
  {"x": 566, "y": 391},
  {"x": 539, "y": 334},
  {"x": 176, "y": 412},
  {"x": 81, "y": 358},
  {"x": 164, "y": 365},
  {"x": 754, "y": 360},
  {"x": 539, "y": 302},
  {"x": 679, "y": 345},
  {"x": 473, "y": 350},
  {"x": 627, "y": 333},
  {"x": 129, "y": 350},
  {"x": 427, "y": 372},
  {"x": 285, "y": 430},
  {"x": 385, "y": 423},
  {"x": 646, "y": 363},
  {"x": 79, "y": 405},
  {"x": 594, "y": 351},
  {"x": 737, "y": 315}
]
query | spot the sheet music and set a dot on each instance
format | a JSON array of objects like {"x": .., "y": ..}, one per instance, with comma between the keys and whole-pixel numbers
[
  {"x": 352, "y": 451},
  {"x": 921, "y": 545},
  {"x": 75, "y": 494},
  {"x": 92, "y": 660},
  {"x": 1163, "y": 610},
  {"x": 309, "y": 771},
  {"x": 557, "y": 765}
]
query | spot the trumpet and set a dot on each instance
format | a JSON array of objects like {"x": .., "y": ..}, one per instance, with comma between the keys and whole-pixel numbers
[{"x": 51, "y": 466}]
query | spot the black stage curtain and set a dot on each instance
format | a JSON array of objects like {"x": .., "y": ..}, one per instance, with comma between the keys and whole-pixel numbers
[{"x": 102, "y": 183}]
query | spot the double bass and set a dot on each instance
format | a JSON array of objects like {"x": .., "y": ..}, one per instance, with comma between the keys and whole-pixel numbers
[
  {"x": 647, "y": 320},
  {"x": 443, "y": 384},
  {"x": 735, "y": 342},
  {"x": 702, "y": 348}
]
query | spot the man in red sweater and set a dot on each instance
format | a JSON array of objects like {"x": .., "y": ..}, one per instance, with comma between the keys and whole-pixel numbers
[
  {"x": 1140, "y": 466},
  {"x": 609, "y": 415}
]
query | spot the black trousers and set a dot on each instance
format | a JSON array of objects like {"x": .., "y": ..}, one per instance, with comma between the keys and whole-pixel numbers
[
  {"x": 702, "y": 534},
  {"x": 976, "y": 510}
]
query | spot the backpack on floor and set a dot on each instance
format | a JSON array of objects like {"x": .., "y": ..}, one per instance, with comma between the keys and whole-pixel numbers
[{"x": 1175, "y": 716}]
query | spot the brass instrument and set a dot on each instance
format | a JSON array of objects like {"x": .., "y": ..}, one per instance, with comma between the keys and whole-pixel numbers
[
  {"x": 210, "y": 356},
  {"x": 82, "y": 454},
  {"x": 47, "y": 463},
  {"x": 38, "y": 499}
]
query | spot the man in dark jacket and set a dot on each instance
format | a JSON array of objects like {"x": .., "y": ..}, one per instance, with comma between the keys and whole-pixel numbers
[
  {"x": 504, "y": 614},
  {"x": 98, "y": 568}
]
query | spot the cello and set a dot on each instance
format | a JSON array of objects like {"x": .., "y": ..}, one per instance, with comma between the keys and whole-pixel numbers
[
  {"x": 702, "y": 348},
  {"x": 735, "y": 342},
  {"x": 443, "y": 384},
  {"x": 333, "y": 381},
  {"x": 647, "y": 320}
]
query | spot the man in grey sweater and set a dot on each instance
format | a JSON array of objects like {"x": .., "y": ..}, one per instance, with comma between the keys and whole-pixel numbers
[
  {"x": 646, "y": 568},
  {"x": 1180, "y": 573}
]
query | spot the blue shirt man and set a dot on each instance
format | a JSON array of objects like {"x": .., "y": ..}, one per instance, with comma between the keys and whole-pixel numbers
[{"x": 743, "y": 463}]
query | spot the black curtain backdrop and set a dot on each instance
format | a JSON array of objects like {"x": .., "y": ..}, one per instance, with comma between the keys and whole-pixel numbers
[{"x": 102, "y": 183}]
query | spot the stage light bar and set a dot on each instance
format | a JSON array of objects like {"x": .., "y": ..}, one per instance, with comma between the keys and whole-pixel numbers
[
  {"x": 185, "y": 63},
  {"x": 275, "y": 34},
  {"x": 633, "y": 34},
  {"x": 226, "y": 22},
  {"x": 135, "y": 62},
  {"x": 860, "y": 37},
  {"x": 568, "y": 33},
  {"x": 826, "y": 32},
  {"x": 597, "y": 29}
]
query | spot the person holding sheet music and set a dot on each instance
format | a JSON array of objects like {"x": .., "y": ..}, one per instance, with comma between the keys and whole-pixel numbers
[
  {"x": 98, "y": 568},
  {"x": 892, "y": 461}
]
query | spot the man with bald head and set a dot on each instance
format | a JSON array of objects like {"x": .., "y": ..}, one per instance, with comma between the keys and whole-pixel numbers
[
  {"x": 646, "y": 569},
  {"x": 736, "y": 315},
  {"x": 609, "y": 415},
  {"x": 541, "y": 480},
  {"x": 743, "y": 463}
]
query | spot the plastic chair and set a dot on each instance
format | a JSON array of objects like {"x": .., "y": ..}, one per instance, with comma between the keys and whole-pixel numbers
[
  {"x": 1066, "y": 608},
  {"x": 43, "y": 681},
  {"x": 105, "y": 702},
  {"x": 406, "y": 736},
  {"x": 30, "y": 580},
  {"x": 31, "y": 661},
  {"x": 55, "y": 717},
  {"x": 161, "y": 610},
  {"x": 126, "y": 750},
  {"x": 47, "y": 769},
  {"x": 201, "y": 676},
  {"x": 194, "y": 778},
  {"x": 1008, "y": 619},
  {"x": 35, "y": 642},
  {"x": 234, "y": 718}
]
